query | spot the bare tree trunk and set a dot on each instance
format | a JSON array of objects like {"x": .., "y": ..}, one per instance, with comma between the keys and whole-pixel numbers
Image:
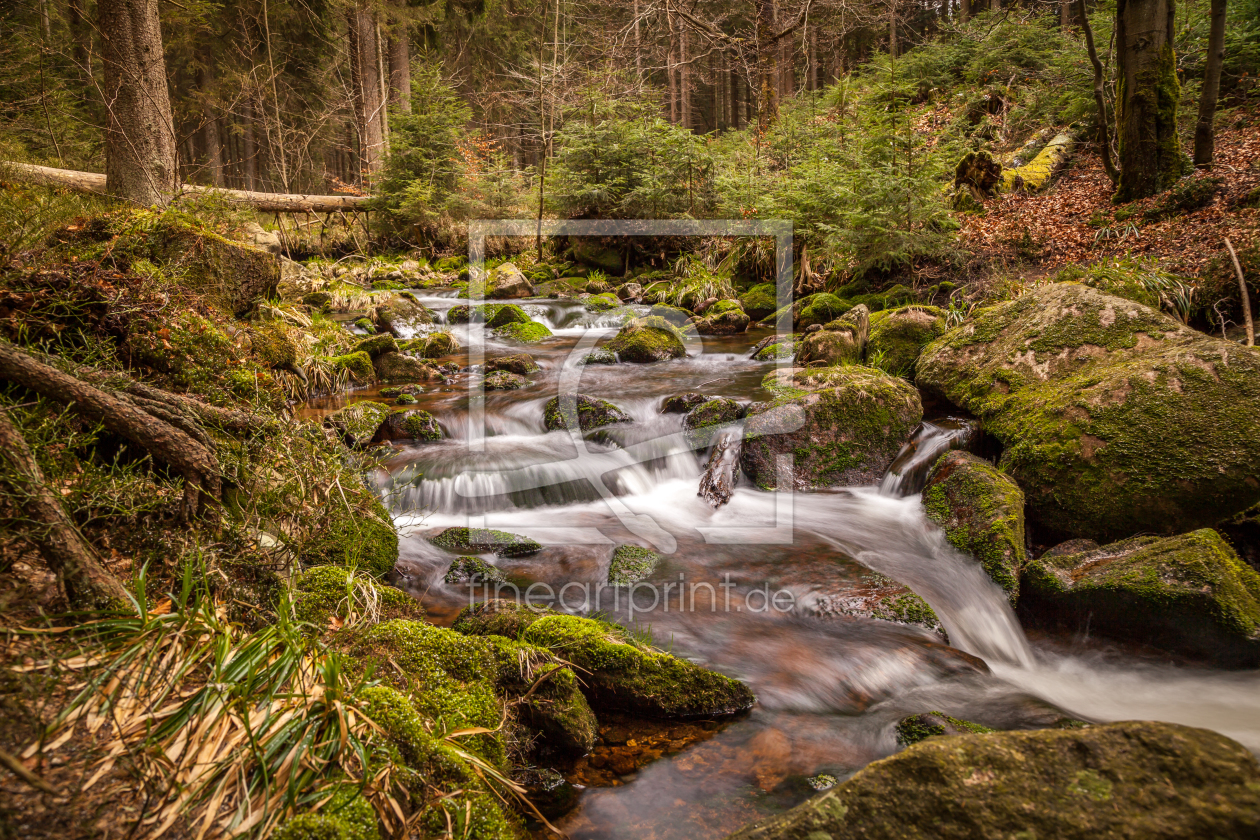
[
  {"x": 1100, "y": 98},
  {"x": 140, "y": 132},
  {"x": 210, "y": 119},
  {"x": 684, "y": 77},
  {"x": 1146, "y": 113},
  {"x": 365, "y": 64},
  {"x": 671, "y": 70},
  {"x": 249, "y": 143},
  {"x": 1204, "y": 129},
  {"x": 1065, "y": 15},
  {"x": 767, "y": 66},
  {"x": 400, "y": 66},
  {"x": 892, "y": 28},
  {"x": 88, "y": 584},
  {"x": 81, "y": 40},
  {"x": 964, "y": 10},
  {"x": 638, "y": 44},
  {"x": 812, "y": 58}
]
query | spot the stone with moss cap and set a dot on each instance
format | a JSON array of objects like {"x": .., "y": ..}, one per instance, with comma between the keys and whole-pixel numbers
[
  {"x": 649, "y": 339},
  {"x": 530, "y": 332},
  {"x": 357, "y": 423},
  {"x": 899, "y": 335},
  {"x": 842, "y": 425},
  {"x": 502, "y": 380},
  {"x": 484, "y": 541},
  {"x": 1115, "y": 418},
  {"x": 624, "y": 674},
  {"x": 432, "y": 346},
  {"x": 1190, "y": 594},
  {"x": 602, "y": 302},
  {"x": 358, "y": 365},
  {"x": 579, "y": 410},
  {"x": 506, "y": 281},
  {"x": 772, "y": 348},
  {"x": 704, "y": 421},
  {"x": 682, "y": 403},
  {"x": 839, "y": 346},
  {"x": 398, "y": 312},
  {"x": 759, "y": 301},
  {"x": 396, "y": 367},
  {"x": 726, "y": 317},
  {"x": 471, "y": 570},
  {"x": 412, "y": 424},
  {"x": 521, "y": 364},
  {"x": 325, "y": 593},
  {"x": 347, "y": 815},
  {"x": 821, "y": 308},
  {"x": 673, "y": 314},
  {"x": 377, "y": 344},
  {"x": 556, "y": 708},
  {"x": 981, "y": 510},
  {"x": 275, "y": 345},
  {"x": 631, "y": 563},
  {"x": 908, "y": 608},
  {"x": 915, "y": 728},
  {"x": 1137, "y": 779},
  {"x": 361, "y": 538}
]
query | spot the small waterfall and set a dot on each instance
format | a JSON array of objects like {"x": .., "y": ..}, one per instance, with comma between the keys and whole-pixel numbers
[{"x": 908, "y": 472}]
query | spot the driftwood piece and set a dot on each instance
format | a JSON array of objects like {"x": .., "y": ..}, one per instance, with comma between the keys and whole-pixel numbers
[
  {"x": 88, "y": 584},
  {"x": 1246, "y": 296},
  {"x": 94, "y": 182}
]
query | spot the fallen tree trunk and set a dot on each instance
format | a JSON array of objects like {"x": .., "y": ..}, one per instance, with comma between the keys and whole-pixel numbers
[
  {"x": 94, "y": 182},
  {"x": 88, "y": 584},
  {"x": 1037, "y": 173}
]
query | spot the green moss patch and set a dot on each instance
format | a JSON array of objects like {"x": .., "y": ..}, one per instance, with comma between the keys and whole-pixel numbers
[
  {"x": 631, "y": 563},
  {"x": 586, "y": 413},
  {"x": 649, "y": 339},
  {"x": 484, "y": 541},
  {"x": 911, "y": 730},
  {"x": 328, "y": 592}
]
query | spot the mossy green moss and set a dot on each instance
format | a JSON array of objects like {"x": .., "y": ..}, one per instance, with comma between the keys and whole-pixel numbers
[
  {"x": 421, "y": 425},
  {"x": 1189, "y": 593},
  {"x": 1115, "y": 418},
  {"x": 899, "y": 335},
  {"x": 839, "y": 346},
  {"x": 1133, "y": 780},
  {"x": 557, "y": 708},
  {"x": 602, "y": 302},
  {"x": 362, "y": 538},
  {"x": 357, "y": 423},
  {"x": 377, "y": 344},
  {"x": 502, "y": 380},
  {"x": 471, "y": 570},
  {"x": 357, "y": 364},
  {"x": 331, "y": 591},
  {"x": 568, "y": 410},
  {"x": 274, "y": 345},
  {"x": 673, "y": 314},
  {"x": 701, "y": 422},
  {"x": 631, "y": 563},
  {"x": 759, "y": 301},
  {"x": 911, "y": 730},
  {"x": 908, "y": 608},
  {"x": 527, "y": 333},
  {"x": 649, "y": 339},
  {"x": 776, "y": 350},
  {"x": 819, "y": 309},
  {"x": 981, "y": 510},
  {"x": 432, "y": 346},
  {"x": 484, "y": 541},
  {"x": 347, "y": 815}
]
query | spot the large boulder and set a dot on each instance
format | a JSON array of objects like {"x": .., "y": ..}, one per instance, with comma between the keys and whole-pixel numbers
[
  {"x": 1189, "y": 593},
  {"x": 899, "y": 335},
  {"x": 1115, "y": 418},
  {"x": 760, "y": 301},
  {"x": 587, "y": 413},
  {"x": 981, "y": 510},
  {"x": 842, "y": 425},
  {"x": 598, "y": 253},
  {"x": 649, "y": 339},
  {"x": 725, "y": 317},
  {"x": 413, "y": 424},
  {"x": 840, "y": 342},
  {"x": 505, "y": 282},
  {"x": 1135, "y": 780},
  {"x": 400, "y": 312},
  {"x": 231, "y": 274},
  {"x": 357, "y": 423}
]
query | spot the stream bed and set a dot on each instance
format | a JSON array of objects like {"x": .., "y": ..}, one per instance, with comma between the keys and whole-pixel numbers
[{"x": 763, "y": 588}]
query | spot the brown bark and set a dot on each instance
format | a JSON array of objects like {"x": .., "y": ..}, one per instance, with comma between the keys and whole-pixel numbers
[
  {"x": 368, "y": 106},
  {"x": 139, "y": 132},
  {"x": 1100, "y": 99},
  {"x": 400, "y": 68},
  {"x": 1146, "y": 113},
  {"x": 684, "y": 78},
  {"x": 1204, "y": 130},
  {"x": 166, "y": 443},
  {"x": 81, "y": 39},
  {"x": 250, "y": 155},
  {"x": 964, "y": 9},
  {"x": 88, "y": 584},
  {"x": 671, "y": 71},
  {"x": 767, "y": 66},
  {"x": 210, "y": 120}
]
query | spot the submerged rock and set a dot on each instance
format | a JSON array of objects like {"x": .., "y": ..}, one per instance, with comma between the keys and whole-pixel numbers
[
  {"x": 521, "y": 364},
  {"x": 412, "y": 424},
  {"x": 1190, "y": 594},
  {"x": 772, "y": 348},
  {"x": 842, "y": 426},
  {"x": 649, "y": 339},
  {"x": 585, "y": 412},
  {"x": 682, "y": 403},
  {"x": 915, "y": 728},
  {"x": 1139, "y": 780},
  {"x": 631, "y": 563},
  {"x": 484, "y": 541},
  {"x": 981, "y": 510},
  {"x": 623, "y": 674},
  {"x": 898, "y": 336},
  {"x": 1115, "y": 418},
  {"x": 501, "y": 380}
]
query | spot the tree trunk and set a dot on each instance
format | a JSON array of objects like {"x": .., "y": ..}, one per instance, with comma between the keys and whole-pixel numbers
[
  {"x": 767, "y": 66},
  {"x": 139, "y": 132},
  {"x": 210, "y": 120},
  {"x": 81, "y": 39},
  {"x": 671, "y": 70},
  {"x": 964, "y": 10},
  {"x": 1204, "y": 130},
  {"x": 1146, "y": 113},
  {"x": 400, "y": 67},
  {"x": 1100, "y": 98},
  {"x": 364, "y": 65},
  {"x": 892, "y": 29},
  {"x": 249, "y": 143},
  {"x": 684, "y": 78},
  {"x": 1065, "y": 15},
  {"x": 638, "y": 44},
  {"x": 88, "y": 584}
]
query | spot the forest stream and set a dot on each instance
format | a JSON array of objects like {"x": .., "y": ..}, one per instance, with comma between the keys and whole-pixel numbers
[{"x": 776, "y": 607}]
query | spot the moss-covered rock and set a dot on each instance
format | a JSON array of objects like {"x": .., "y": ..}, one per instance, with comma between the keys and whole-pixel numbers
[
  {"x": 432, "y": 346},
  {"x": 358, "y": 365},
  {"x": 599, "y": 357},
  {"x": 357, "y": 423},
  {"x": 325, "y": 593},
  {"x": 842, "y": 425},
  {"x": 365, "y": 323},
  {"x": 624, "y": 674},
  {"x": 631, "y": 563},
  {"x": 412, "y": 424},
  {"x": 232, "y": 274},
  {"x": 682, "y": 403},
  {"x": 602, "y": 302},
  {"x": 759, "y": 301},
  {"x": 506, "y": 281},
  {"x": 915, "y": 728},
  {"x": 673, "y": 314},
  {"x": 347, "y": 815},
  {"x": 649, "y": 339},
  {"x": 596, "y": 253},
  {"x": 981, "y": 510},
  {"x": 275, "y": 345},
  {"x": 527, "y": 333},
  {"x": 471, "y": 570},
  {"x": 318, "y": 301},
  {"x": 703, "y": 421},
  {"x": 772, "y": 348},
  {"x": 585, "y": 412},
  {"x": 726, "y": 317},
  {"x": 399, "y": 312},
  {"x": 396, "y": 367},
  {"x": 521, "y": 364},
  {"x": 840, "y": 346},
  {"x": 377, "y": 344},
  {"x": 910, "y": 609},
  {"x": 1154, "y": 781},
  {"x": 1189, "y": 593},
  {"x": 1115, "y": 418},
  {"x": 361, "y": 538},
  {"x": 821, "y": 308},
  {"x": 557, "y": 709},
  {"x": 484, "y": 541},
  {"x": 501, "y": 380},
  {"x": 899, "y": 335}
]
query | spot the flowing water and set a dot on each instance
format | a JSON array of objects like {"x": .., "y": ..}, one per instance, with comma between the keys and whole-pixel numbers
[{"x": 773, "y": 589}]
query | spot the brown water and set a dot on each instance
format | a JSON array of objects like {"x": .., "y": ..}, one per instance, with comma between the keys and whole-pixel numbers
[{"x": 830, "y": 683}]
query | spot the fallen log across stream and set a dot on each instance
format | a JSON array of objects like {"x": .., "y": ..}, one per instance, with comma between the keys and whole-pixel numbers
[{"x": 94, "y": 182}]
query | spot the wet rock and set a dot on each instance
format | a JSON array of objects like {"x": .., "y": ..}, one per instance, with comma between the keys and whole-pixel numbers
[
  {"x": 624, "y": 674},
  {"x": 484, "y": 541},
  {"x": 759, "y": 301},
  {"x": 631, "y": 563},
  {"x": 672, "y": 314},
  {"x": 599, "y": 357},
  {"x": 840, "y": 342},
  {"x": 707, "y": 419},
  {"x": 399, "y": 390},
  {"x": 915, "y": 728},
  {"x": 592, "y": 251},
  {"x": 318, "y": 301},
  {"x": 702, "y": 308},
  {"x": 1115, "y": 418},
  {"x": 471, "y": 570},
  {"x": 1155, "y": 781},
  {"x": 981, "y": 510},
  {"x": 630, "y": 291},
  {"x": 898, "y": 336},
  {"x": 432, "y": 346},
  {"x": 412, "y": 424},
  {"x": 842, "y": 425},
  {"x": 649, "y": 339},
  {"x": 821, "y": 308},
  {"x": 357, "y": 364},
  {"x": 773, "y": 347},
  {"x": 682, "y": 403},
  {"x": 502, "y": 380},
  {"x": 550, "y": 700},
  {"x": 602, "y": 302},
  {"x": 1191, "y": 594},
  {"x": 585, "y": 412},
  {"x": 723, "y": 317},
  {"x": 506, "y": 282},
  {"x": 547, "y": 790},
  {"x": 717, "y": 484},
  {"x": 377, "y": 344},
  {"x": 357, "y": 423},
  {"x": 395, "y": 367},
  {"x": 365, "y": 324},
  {"x": 518, "y": 363},
  {"x": 1063, "y": 549},
  {"x": 398, "y": 312}
]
